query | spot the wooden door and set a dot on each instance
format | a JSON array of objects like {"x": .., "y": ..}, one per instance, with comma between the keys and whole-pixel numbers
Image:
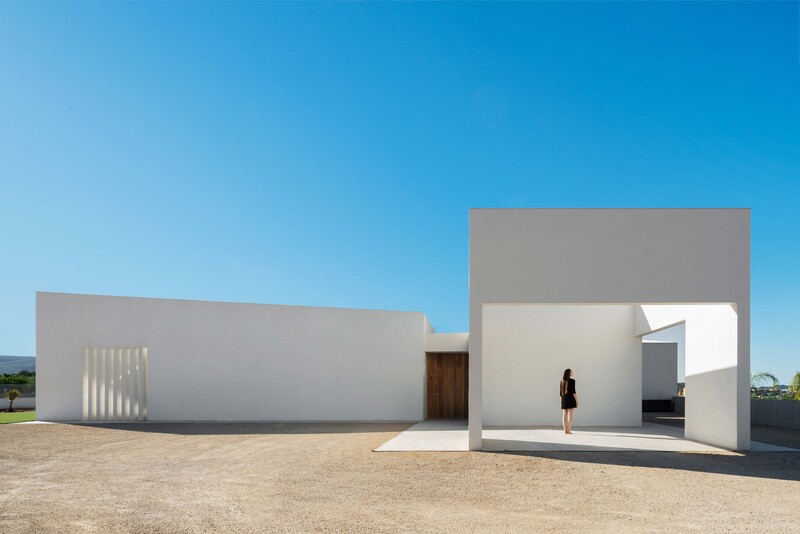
[{"x": 448, "y": 385}]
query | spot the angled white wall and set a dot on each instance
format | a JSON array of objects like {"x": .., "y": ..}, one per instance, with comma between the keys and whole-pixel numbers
[
  {"x": 230, "y": 361},
  {"x": 604, "y": 256},
  {"x": 711, "y": 366},
  {"x": 527, "y": 347}
]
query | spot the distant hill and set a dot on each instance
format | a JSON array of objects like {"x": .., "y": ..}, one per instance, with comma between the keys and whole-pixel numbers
[{"x": 15, "y": 364}]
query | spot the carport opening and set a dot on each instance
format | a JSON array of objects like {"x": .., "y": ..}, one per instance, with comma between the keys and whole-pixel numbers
[{"x": 526, "y": 347}]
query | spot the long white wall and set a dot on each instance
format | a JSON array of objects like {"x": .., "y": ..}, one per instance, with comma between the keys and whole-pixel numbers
[
  {"x": 232, "y": 362},
  {"x": 527, "y": 347}
]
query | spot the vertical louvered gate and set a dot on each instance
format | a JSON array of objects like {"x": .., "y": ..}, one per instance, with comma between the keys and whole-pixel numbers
[{"x": 115, "y": 384}]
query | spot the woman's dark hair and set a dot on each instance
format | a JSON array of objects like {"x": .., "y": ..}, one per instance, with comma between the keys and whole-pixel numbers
[{"x": 565, "y": 381}]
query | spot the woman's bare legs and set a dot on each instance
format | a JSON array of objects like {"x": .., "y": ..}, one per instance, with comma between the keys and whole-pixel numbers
[
  {"x": 564, "y": 420},
  {"x": 568, "y": 418}
]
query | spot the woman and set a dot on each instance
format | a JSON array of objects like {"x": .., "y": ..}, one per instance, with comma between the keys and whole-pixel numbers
[{"x": 569, "y": 400}]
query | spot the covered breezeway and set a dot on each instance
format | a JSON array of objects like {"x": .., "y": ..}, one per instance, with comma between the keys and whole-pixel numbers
[{"x": 528, "y": 346}]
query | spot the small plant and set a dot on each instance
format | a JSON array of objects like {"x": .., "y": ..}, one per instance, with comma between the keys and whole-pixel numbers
[
  {"x": 762, "y": 378},
  {"x": 11, "y": 395},
  {"x": 760, "y": 381},
  {"x": 794, "y": 387}
]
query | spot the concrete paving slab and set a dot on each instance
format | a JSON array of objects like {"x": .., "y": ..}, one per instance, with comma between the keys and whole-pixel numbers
[
  {"x": 648, "y": 437},
  {"x": 451, "y": 435},
  {"x": 757, "y": 446},
  {"x": 431, "y": 435}
]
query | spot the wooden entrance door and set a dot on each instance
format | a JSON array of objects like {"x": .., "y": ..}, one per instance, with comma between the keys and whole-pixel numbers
[{"x": 448, "y": 384}]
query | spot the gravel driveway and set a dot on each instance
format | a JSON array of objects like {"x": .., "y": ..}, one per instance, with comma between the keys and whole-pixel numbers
[{"x": 325, "y": 478}]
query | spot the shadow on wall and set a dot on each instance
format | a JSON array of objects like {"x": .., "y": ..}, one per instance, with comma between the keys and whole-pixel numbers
[
  {"x": 232, "y": 429},
  {"x": 770, "y": 465}
]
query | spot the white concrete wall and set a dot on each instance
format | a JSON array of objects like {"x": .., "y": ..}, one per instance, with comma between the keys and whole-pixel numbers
[
  {"x": 527, "y": 347},
  {"x": 592, "y": 256},
  {"x": 659, "y": 370},
  {"x": 20, "y": 402},
  {"x": 675, "y": 334},
  {"x": 229, "y": 361}
]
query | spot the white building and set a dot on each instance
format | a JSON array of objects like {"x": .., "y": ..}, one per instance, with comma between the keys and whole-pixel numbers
[{"x": 549, "y": 289}]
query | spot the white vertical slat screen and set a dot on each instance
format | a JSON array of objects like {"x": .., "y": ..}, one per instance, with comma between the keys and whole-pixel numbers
[
  {"x": 126, "y": 383},
  {"x": 135, "y": 376},
  {"x": 110, "y": 385},
  {"x": 85, "y": 384},
  {"x": 115, "y": 383},
  {"x": 101, "y": 382},
  {"x": 93, "y": 380},
  {"x": 118, "y": 386},
  {"x": 143, "y": 380}
]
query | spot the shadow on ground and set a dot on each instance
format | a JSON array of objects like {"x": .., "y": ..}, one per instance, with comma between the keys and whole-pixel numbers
[
  {"x": 233, "y": 428},
  {"x": 772, "y": 465}
]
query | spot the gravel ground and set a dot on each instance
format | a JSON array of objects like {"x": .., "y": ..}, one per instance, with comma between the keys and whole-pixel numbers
[{"x": 325, "y": 478}]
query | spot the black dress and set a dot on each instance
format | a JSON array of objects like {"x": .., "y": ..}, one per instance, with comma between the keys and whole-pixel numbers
[{"x": 568, "y": 400}]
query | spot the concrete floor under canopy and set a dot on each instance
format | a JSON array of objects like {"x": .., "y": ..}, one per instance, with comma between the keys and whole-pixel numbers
[{"x": 451, "y": 435}]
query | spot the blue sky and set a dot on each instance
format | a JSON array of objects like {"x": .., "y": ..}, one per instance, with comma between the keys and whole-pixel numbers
[{"x": 327, "y": 154}]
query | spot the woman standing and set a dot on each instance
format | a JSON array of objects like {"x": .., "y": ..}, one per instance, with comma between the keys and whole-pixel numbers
[{"x": 569, "y": 400}]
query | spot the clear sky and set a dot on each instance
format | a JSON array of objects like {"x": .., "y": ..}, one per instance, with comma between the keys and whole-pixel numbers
[{"x": 327, "y": 154}]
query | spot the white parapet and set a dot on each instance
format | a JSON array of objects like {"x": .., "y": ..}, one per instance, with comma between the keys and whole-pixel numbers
[{"x": 450, "y": 342}]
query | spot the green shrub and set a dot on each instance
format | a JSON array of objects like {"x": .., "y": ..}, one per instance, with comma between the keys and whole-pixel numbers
[
  {"x": 794, "y": 387},
  {"x": 11, "y": 395},
  {"x": 24, "y": 377}
]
